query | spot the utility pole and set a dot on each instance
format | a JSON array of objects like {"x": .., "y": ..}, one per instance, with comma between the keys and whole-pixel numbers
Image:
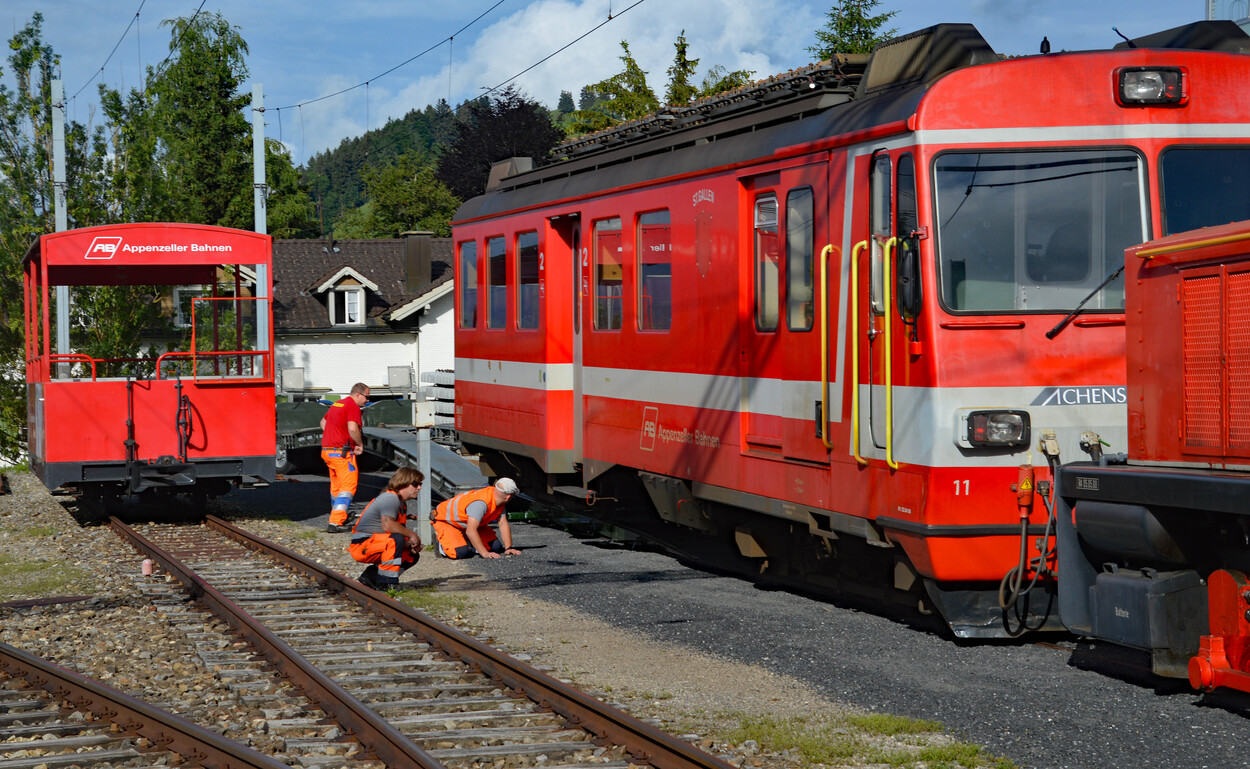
[
  {"x": 62, "y": 219},
  {"x": 259, "y": 196}
]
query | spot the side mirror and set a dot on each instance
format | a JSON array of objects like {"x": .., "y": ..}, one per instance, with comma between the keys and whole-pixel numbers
[{"x": 907, "y": 282}]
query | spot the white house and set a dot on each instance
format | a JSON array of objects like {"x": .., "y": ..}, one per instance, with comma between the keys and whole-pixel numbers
[{"x": 351, "y": 311}]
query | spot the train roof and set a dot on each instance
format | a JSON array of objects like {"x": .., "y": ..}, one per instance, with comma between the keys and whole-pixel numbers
[{"x": 845, "y": 94}]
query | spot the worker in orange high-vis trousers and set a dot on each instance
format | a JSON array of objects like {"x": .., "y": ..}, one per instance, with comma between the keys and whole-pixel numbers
[
  {"x": 462, "y": 523},
  {"x": 341, "y": 443},
  {"x": 381, "y": 538}
]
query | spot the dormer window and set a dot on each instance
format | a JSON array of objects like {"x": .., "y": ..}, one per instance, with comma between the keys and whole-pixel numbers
[
  {"x": 345, "y": 298},
  {"x": 346, "y": 305}
]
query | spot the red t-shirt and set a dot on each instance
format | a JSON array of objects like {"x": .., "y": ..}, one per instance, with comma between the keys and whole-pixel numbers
[{"x": 335, "y": 435}]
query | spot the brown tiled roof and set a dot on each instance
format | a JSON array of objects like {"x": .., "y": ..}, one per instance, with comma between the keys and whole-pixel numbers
[{"x": 299, "y": 264}]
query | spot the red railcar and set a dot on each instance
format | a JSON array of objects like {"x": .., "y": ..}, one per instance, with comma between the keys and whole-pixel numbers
[
  {"x": 196, "y": 411},
  {"x": 1155, "y": 546},
  {"x": 826, "y": 318}
]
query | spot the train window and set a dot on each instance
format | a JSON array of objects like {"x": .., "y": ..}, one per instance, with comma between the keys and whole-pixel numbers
[
  {"x": 468, "y": 284},
  {"x": 799, "y": 256},
  {"x": 655, "y": 254},
  {"x": 1030, "y": 231},
  {"x": 767, "y": 254},
  {"x": 1204, "y": 186},
  {"x": 608, "y": 274},
  {"x": 905, "y": 198},
  {"x": 528, "y": 265},
  {"x": 579, "y": 272},
  {"x": 882, "y": 229},
  {"x": 496, "y": 283}
]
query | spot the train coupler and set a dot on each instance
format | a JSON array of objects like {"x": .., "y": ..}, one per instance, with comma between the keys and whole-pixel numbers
[{"x": 1223, "y": 658}]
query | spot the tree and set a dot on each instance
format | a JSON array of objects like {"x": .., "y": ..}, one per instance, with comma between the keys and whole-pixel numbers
[
  {"x": 624, "y": 96},
  {"x": 496, "y": 128},
  {"x": 565, "y": 106},
  {"x": 403, "y": 196},
  {"x": 851, "y": 29},
  {"x": 718, "y": 80},
  {"x": 680, "y": 91},
  {"x": 26, "y": 202}
]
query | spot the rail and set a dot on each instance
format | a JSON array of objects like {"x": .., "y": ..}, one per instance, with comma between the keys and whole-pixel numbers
[
  {"x": 824, "y": 346},
  {"x": 887, "y": 289},
  {"x": 860, "y": 246},
  {"x": 645, "y": 742},
  {"x": 387, "y": 743},
  {"x": 198, "y": 746},
  {"x": 265, "y": 357}
]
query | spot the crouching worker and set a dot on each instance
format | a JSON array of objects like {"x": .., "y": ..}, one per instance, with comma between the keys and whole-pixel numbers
[
  {"x": 381, "y": 538},
  {"x": 462, "y": 523}
]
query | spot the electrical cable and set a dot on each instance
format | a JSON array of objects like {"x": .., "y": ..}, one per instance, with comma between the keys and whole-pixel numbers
[{"x": 100, "y": 71}]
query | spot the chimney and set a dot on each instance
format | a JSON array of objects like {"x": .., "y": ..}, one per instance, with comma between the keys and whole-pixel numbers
[{"x": 417, "y": 260}]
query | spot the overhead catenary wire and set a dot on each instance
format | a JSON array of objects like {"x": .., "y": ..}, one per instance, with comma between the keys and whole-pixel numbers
[
  {"x": 559, "y": 50},
  {"x": 116, "y": 45},
  {"x": 365, "y": 83}
]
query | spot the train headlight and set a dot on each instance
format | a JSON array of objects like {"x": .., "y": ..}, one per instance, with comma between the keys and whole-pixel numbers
[
  {"x": 992, "y": 428},
  {"x": 1150, "y": 86}
]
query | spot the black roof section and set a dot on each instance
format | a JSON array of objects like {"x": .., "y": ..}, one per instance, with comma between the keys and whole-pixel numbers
[{"x": 1221, "y": 35}]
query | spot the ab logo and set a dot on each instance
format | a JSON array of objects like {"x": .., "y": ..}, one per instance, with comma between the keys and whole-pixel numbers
[{"x": 103, "y": 247}]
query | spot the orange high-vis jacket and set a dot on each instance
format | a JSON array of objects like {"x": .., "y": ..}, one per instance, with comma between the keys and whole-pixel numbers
[{"x": 453, "y": 511}]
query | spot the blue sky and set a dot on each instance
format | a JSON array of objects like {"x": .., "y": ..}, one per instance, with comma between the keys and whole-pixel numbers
[{"x": 302, "y": 50}]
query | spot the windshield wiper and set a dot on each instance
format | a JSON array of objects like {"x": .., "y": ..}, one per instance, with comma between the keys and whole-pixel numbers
[{"x": 1054, "y": 332}]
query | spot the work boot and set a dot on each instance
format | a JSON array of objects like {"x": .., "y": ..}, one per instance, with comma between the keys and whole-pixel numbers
[
  {"x": 334, "y": 528},
  {"x": 368, "y": 578}
]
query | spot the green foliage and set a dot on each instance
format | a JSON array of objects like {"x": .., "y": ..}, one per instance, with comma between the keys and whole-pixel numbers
[
  {"x": 335, "y": 176},
  {"x": 507, "y": 125},
  {"x": 565, "y": 106},
  {"x": 718, "y": 80},
  {"x": 403, "y": 196},
  {"x": 625, "y": 96},
  {"x": 680, "y": 91},
  {"x": 851, "y": 28}
]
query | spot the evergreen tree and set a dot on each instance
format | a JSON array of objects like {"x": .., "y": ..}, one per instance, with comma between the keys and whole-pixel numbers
[
  {"x": 851, "y": 29},
  {"x": 680, "y": 91},
  {"x": 403, "y": 196},
  {"x": 624, "y": 96},
  {"x": 565, "y": 106},
  {"x": 718, "y": 80},
  {"x": 492, "y": 129}
]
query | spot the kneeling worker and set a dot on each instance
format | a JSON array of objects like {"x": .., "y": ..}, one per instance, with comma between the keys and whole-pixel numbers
[
  {"x": 381, "y": 539},
  {"x": 462, "y": 523}
]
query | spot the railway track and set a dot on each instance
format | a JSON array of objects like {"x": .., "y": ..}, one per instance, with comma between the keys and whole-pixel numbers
[
  {"x": 51, "y": 717},
  {"x": 397, "y": 686}
]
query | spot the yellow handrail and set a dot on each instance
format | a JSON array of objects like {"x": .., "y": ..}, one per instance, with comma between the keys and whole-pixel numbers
[
  {"x": 855, "y": 349},
  {"x": 889, "y": 356},
  {"x": 1151, "y": 253},
  {"x": 824, "y": 346}
]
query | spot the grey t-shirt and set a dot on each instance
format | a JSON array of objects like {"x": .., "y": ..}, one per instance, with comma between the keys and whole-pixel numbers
[
  {"x": 387, "y": 504},
  {"x": 476, "y": 510}
]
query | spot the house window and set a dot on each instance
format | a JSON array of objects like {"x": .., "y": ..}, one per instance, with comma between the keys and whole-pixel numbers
[
  {"x": 347, "y": 304},
  {"x": 468, "y": 285},
  {"x": 767, "y": 254},
  {"x": 183, "y": 298},
  {"x": 608, "y": 273},
  {"x": 496, "y": 283},
  {"x": 528, "y": 265},
  {"x": 655, "y": 256}
]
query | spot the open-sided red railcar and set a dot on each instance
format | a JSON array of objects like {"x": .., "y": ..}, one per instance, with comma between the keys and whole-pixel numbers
[
  {"x": 828, "y": 317},
  {"x": 196, "y": 411}
]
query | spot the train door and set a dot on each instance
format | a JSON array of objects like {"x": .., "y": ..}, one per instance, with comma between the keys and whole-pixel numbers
[
  {"x": 882, "y": 323},
  {"x": 781, "y": 356},
  {"x": 567, "y": 259}
]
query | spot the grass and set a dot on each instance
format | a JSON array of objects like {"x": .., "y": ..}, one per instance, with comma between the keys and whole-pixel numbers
[
  {"x": 428, "y": 599},
  {"x": 861, "y": 738},
  {"x": 41, "y": 531},
  {"x": 25, "y": 579}
]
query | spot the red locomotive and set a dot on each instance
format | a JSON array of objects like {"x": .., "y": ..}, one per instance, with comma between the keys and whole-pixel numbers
[
  {"x": 1154, "y": 548},
  {"x": 193, "y": 415},
  {"x": 825, "y": 319}
]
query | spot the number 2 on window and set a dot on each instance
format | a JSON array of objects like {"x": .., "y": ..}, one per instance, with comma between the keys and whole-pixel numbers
[{"x": 965, "y": 491}]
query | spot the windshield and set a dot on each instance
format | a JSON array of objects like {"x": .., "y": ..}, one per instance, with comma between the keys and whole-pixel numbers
[
  {"x": 1204, "y": 186},
  {"x": 1035, "y": 231}
]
